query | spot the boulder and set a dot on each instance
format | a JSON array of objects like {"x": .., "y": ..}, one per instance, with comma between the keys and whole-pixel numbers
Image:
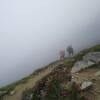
[
  {"x": 86, "y": 85},
  {"x": 93, "y": 56},
  {"x": 78, "y": 66},
  {"x": 89, "y": 60}
]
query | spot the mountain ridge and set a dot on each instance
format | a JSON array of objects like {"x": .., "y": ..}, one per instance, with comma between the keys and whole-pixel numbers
[{"x": 18, "y": 90}]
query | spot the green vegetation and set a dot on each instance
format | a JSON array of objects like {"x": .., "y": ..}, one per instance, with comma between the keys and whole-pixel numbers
[
  {"x": 7, "y": 89},
  {"x": 85, "y": 51},
  {"x": 51, "y": 85}
]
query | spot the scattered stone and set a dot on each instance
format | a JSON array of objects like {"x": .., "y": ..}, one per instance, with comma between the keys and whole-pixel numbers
[
  {"x": 43, "y": 93},
  {"x": 75, "y": 78},
  {"x": 86, "y": 85},
  {"x": 67, "y": 86},
  {"x": 30, "y": 97},
  {"x": 97, "y": 73},
  {"x": 12, "y": 92}
]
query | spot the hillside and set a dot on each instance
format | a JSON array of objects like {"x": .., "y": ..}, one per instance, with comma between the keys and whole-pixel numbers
[{"x": 55, "y": 81}]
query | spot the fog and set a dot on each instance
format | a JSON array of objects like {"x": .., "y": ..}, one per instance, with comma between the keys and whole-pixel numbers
[{"x": 33, "y": 31}]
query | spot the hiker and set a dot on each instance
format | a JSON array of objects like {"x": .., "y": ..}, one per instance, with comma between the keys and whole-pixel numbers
[
  {"x": 62, "y": 54},
  {"x": 70, "y": 50}
]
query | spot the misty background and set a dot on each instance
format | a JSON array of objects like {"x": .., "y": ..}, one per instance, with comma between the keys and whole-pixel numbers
[{"x": 32, "y": 32}]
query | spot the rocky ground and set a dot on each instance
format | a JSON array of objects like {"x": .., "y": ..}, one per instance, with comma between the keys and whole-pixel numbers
[
  {"x": 19, "y": 89},
  {"x": 90, "y": 75},
  {"x": 75, "y": 78},
  {"x": 55, "y": 86}
]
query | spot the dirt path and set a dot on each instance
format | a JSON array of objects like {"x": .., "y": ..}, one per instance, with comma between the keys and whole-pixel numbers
[{"x": 30, "y": 84}]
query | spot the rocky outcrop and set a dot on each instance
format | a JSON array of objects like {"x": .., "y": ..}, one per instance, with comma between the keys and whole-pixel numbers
[
  {"x": 93, "y": 56},
  {"x": 89, "y": 60},
  {"x": 81, "y": 65},
  {"x": 85, "y": 85}
]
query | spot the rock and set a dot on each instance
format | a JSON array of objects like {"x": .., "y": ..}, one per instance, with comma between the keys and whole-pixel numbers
[
  {"x": 93, "y": 56},
  {"x": 43, "y": 93},
  {"x": 97, "y": 73},
  {"x": 81, "y": 65},
  {"x": 12, "y": 93},
  {"x": 88, "y": 60},
  {"x": 68, "y": 86},
  {"x": 28, "y": 97},
  {"x": 75, "y": 78},
  {"x": 86, "y": 85}
]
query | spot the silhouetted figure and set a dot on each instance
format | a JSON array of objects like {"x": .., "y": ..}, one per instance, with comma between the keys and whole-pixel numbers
[
  {"x": 62, "y": 54},
  {"x": 70, "y": 50}
]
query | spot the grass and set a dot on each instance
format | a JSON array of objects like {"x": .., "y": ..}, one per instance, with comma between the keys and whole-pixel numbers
[
  {"x": 53, "y": 89},
  {"x": 7, "y": 89}
]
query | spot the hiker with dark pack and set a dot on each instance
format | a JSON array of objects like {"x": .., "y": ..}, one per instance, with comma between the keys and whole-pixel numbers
[{"x": 70, "y": 50}]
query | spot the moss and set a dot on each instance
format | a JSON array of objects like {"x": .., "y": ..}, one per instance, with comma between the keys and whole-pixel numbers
[
  {"x": 95, "y": 49},
  {"x": 53, "y": 91}
]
